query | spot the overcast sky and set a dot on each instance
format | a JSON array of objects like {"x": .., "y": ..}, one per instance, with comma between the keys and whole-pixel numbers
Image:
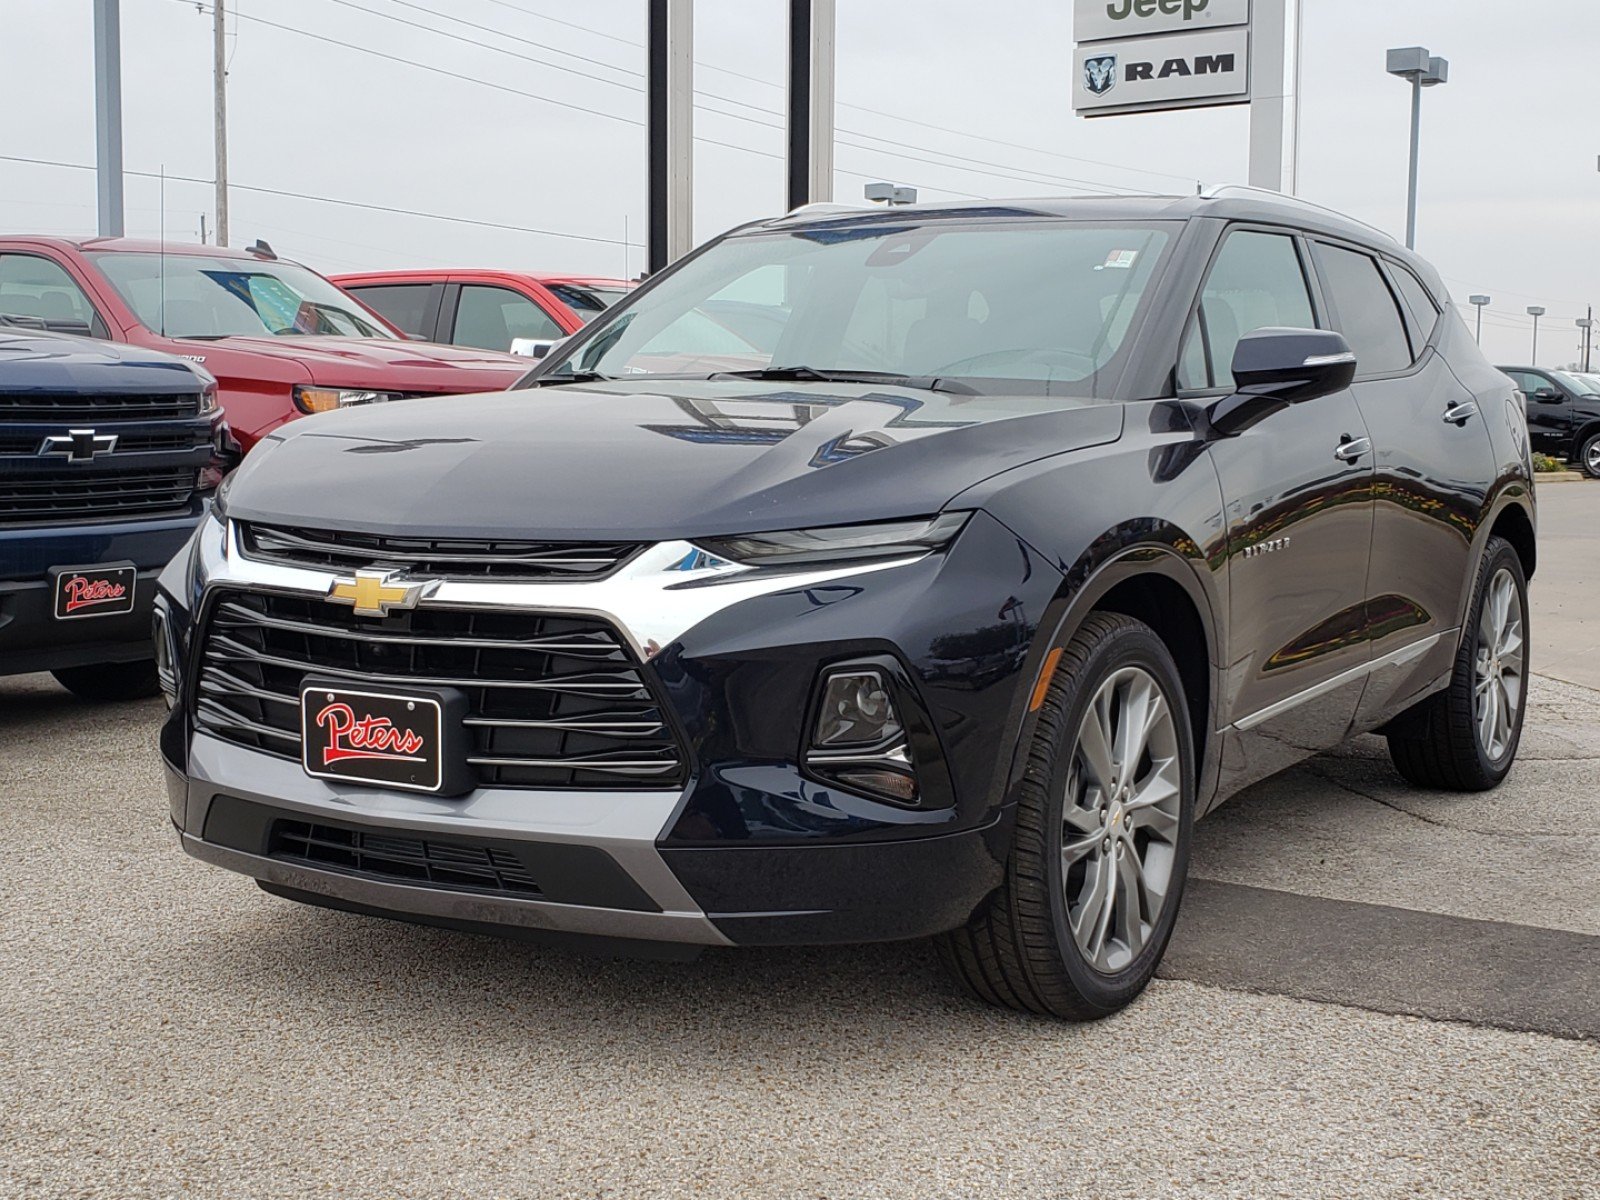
[{"x": 962, "y": 99}]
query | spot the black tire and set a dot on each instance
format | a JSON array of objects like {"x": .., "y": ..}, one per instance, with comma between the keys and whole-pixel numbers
[
  {"x": 1018, "y": 950},
  {"x": 1588, "y": 456},
  {"x": 106, "y": 683},
  {"x": 1437, "y": 744}
]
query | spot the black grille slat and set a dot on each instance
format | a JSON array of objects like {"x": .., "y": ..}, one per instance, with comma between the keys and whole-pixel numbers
[
  {"x": 74, "y": 406},
  {"x": 440, "y": 558},
  {"x": 428, "y": 861},
  {"x": 554, "y": 701},
  {"x": 98, "y": 493}
]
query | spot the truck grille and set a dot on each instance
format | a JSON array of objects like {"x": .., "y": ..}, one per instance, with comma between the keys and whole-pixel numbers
[
  {"x": 51, "y": 495},
  {"x": 441, "y": 558},
  {"x": 427, "y": 861},
  {"x": 73, "y": 406},
  {"x": 553, "y": 701}
]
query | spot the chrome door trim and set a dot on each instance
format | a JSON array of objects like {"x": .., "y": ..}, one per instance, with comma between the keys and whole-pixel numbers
[{"x": 1395, "y": 658}]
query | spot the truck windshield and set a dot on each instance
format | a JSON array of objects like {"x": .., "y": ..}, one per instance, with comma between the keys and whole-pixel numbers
[
  {"x": 193, "y": 296},
  {"x": 1000, "y": 306}
]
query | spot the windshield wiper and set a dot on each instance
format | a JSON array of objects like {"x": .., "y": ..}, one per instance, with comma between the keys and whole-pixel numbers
[
  {"x": 572, "y": 377},
  {"x": 804, "y": 374}
]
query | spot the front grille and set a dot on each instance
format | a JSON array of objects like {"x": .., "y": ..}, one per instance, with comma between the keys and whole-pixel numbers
[
  {"x": 427, "y": 861},
  {"x": 181, "y": 438},
  {"x": 441, "y": 558},
  {"x": 73, "y": 406},
  {"x": 52, "y": 495},
  {"x": 552, "y": 701}
]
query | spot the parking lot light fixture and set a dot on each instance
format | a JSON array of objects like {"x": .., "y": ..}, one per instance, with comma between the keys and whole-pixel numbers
[
  {"x": 1480, "y": 303},
  {"x": 1535, "y": 311},
  {"x": 1421, "y": 69}
]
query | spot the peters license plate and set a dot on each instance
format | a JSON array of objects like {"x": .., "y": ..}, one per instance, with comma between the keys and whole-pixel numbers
[
  {"x": 102, "y": 591},
  {"x": 372, "y": 737}
]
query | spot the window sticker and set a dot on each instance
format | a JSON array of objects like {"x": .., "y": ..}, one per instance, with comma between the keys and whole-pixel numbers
[{"x": 1120, "y": 260}]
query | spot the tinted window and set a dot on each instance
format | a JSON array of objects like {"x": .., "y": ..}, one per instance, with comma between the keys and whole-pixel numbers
[
  {"x": 1256, "y": 283},
  {"x": 1365, "y": 311},
  {"x": 403, "y": 305},
  {"x": 489, "y": 317},
  {"x": 587, "y": 302},
  {"x": 1420, "y": 303},
  {"x": 39, "y": 293}
]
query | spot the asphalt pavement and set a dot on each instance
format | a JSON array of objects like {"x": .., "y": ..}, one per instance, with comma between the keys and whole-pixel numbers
[{"x": 1373, "y": 992}]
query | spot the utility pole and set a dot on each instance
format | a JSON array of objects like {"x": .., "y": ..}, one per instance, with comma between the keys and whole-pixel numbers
[
  {"x": 108, "y": 115},
  {"x": 1587, "y": 325},
  {"x": 219, "y": 101}
]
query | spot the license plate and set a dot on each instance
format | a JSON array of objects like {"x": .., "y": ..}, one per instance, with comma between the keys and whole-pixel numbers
[
  {"x": 101, "y": 591},
  {"x": 372, "y": 737}
]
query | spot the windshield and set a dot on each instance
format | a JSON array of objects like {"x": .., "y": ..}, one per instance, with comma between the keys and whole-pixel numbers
[
  {"x": 588, "y": 302},
  {"x": 1589, "y": 384},
  {"x": 1038, "y": 306},
  {"x": 190, "y": 296}
]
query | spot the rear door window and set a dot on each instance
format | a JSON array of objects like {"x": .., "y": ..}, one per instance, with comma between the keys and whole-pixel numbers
[
  {"x": 1364, "y": 310},
  {"x": 37, "y": 293},
  {"x": 403, "y": 305},
  {"x": 1419, "y": 304}
]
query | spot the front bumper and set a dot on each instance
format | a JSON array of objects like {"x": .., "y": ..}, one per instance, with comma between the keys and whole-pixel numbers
[
  {"x": 751, "y": 849},
  {"x": 32, "y": 639},
  {"x": 595, "y": 857}
]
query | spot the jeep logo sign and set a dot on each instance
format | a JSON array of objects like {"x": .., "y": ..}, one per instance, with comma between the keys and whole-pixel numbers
[
  {"x": 1176, "y": 71},
  {"x": 1096, "y": 20}
]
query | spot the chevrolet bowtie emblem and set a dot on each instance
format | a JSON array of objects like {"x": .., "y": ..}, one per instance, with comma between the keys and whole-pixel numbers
[{"x": 373, "y": 595}]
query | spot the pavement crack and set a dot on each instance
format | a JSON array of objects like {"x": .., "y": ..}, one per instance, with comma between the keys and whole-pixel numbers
[{"x": 1516, "y": 835}]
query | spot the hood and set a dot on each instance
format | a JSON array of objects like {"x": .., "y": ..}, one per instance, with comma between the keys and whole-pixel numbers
[
  {"x": 651, "y": 460},
  {"x": 378, "y": 362},
  {"x": 36, "y": 361}
]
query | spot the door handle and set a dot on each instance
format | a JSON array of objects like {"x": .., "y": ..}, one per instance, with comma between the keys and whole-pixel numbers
[
  {"x": 1350, "y": 449},
  {"x": 1459, "y": 414}
]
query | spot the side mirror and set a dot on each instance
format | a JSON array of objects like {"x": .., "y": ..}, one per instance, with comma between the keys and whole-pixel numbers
[
  {"x": 1547, "y": 395},
  {"x": 1274, "y": 368},
  {"x": 534, "y": 347}
]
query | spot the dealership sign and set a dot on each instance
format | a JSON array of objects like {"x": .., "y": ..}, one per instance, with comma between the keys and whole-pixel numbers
[{"x": 1145, "y": 55}]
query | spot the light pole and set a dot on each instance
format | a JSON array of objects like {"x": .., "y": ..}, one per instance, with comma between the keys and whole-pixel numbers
[
  {"x": 1479, "y": 303},
  {"x": 1422, "y": 70},
  {"x": 1535, "y": 311}
]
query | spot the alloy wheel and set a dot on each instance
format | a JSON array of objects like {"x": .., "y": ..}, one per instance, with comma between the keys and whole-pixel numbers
[
  {"x": 1498, "y": 677},
  {"x": 1121, "y": 819},
  {"x": 1591, "y": 457}
]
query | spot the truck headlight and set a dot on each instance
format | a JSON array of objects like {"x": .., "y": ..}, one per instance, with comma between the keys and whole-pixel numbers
[{"x": 320, "y": 399}]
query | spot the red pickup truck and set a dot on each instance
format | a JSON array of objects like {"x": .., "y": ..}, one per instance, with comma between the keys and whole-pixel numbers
[
  {"x": 486, "y": 309},
  {"x": 280, "y": 339}
]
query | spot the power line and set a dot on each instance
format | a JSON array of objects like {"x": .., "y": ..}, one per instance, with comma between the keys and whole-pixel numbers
[
  {"x": 843, "y": 104},
  {"x": 383, "y": 208}
]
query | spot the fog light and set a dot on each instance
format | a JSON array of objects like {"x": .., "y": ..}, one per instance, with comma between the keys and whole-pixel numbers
[
  {"x": 166, "y": 654},
  {"x": 856, "y": 711},
  {"x": 858, "y": 741}
]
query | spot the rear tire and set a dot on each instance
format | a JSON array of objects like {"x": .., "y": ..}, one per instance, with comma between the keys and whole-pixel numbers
[
  {"x": 106, "y": 683},
  {"x": 1456, "y": 740},
  {"x": 1032, "y": 946},
  {"x": 1588, "y": 456}
]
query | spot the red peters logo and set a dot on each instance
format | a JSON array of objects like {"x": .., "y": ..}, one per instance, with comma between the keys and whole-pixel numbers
[
  {"x": 350, "y": 736},
  {"x": 83, "y": 592}
]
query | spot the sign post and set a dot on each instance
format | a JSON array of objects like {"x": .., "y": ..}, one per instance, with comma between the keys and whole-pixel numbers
[{"x": 1158, "y": 55}]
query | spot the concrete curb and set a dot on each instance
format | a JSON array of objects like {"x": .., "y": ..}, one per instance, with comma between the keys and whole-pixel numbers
[{"x": 1560, "y": 477}]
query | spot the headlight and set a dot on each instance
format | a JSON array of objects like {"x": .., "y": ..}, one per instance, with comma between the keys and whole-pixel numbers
[
  {"x": 318, "y": 399},
  {"x": 835, "y": 543}
]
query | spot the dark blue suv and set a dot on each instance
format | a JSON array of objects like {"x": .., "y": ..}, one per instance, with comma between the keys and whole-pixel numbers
[{"x": 109, "y": 456}]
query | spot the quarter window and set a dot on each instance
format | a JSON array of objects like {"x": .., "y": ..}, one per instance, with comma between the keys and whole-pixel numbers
[
  {"x": 1257, "y": 282},
  {"x": 489, "y": 317},
  {"x": 39, "y": 293},
  {"x": 1365, "y": 310},
  {"x": 1419, "y": 302}
]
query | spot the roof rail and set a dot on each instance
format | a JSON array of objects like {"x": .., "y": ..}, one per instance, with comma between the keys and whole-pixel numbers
[
  {"x": 1222, "y": 191},
  {"x": 819, "y": 207}
]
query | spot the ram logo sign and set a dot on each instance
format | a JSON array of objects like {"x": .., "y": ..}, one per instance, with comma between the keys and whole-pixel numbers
[
  {"x": 1100, "y": 74},
  {"x": 1172, "y": 71}
]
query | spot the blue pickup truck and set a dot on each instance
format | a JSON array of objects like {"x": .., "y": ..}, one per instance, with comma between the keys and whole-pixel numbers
[{"x": 109, "y": 456}]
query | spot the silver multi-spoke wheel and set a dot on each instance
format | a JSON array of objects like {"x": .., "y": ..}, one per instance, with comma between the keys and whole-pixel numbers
[
  {"x": 1591, "y": 458},
  {"x": 1498, "y": 674},
  {"x": 1121, "y": 819}
]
